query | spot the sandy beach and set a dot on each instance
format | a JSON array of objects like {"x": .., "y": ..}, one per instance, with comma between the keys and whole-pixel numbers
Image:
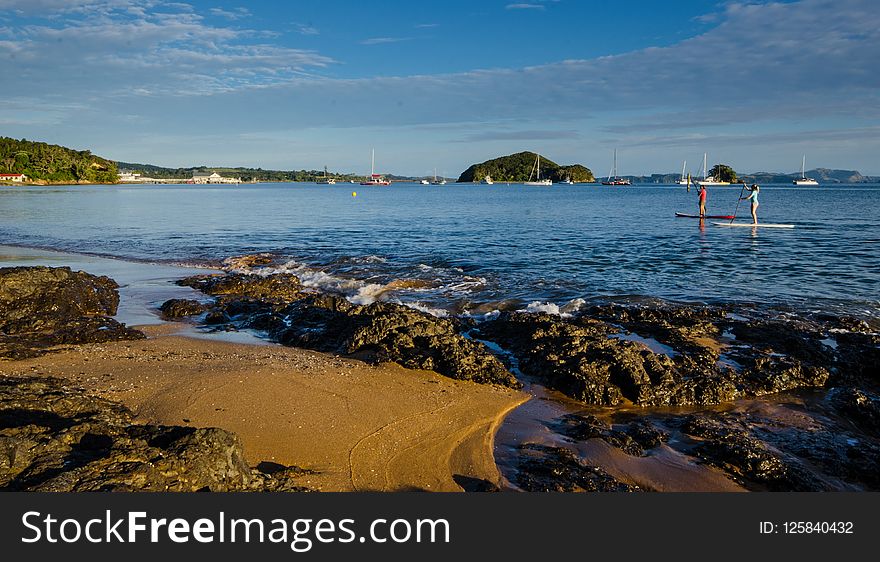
[{"x": 359, "y": 427}]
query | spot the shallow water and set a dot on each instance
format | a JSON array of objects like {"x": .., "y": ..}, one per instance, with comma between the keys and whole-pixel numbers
[{"x": 476, "y": 245}]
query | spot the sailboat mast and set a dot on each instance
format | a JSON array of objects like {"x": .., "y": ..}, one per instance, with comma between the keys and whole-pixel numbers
[
  {"x": 705, "y": 165},
  {"x": 803, "y": 167},
  {"x": 373, "y": 162},
  {"x": 683, "y": 166},
  {"x": 538, "y": 167}
]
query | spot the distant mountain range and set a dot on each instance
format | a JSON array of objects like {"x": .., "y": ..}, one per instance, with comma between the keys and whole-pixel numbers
[
  {"x": 822, "y": 175},
  {"x": 48, "y": 163}
]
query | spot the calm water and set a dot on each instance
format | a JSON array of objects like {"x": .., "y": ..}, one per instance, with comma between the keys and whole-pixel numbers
[{"x": 460, "y": 246}]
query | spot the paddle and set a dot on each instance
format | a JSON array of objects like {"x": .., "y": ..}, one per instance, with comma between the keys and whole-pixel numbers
[{"x": 741, "y": 191}]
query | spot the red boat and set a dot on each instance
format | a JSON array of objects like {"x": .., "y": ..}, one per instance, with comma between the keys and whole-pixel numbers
[
  {"x": 687, "y": 216},
  {"x": 376, "y": 179}
]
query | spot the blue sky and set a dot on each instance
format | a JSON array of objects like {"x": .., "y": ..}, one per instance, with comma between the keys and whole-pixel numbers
[{"x": 444, "y": 84}]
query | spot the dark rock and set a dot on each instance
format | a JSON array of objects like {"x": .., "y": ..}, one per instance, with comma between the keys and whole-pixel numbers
[
  {"x": 179, "y": 308},
  {"x": 279, "y": 287},
  {"x": 330, "y": 323},
  {"x": 386, "y": 332},
  {"x": 771, "y": 374},
  {"x": 581, "y": 358},
  {"x": 796, "y": 338},
  {"x": 216, "y": 317},
  {"x": 858, "y": 406},
  {"x": 41, "y": 307},
  {"x": 634, "y": 439},
  {"x": 248, "y": 261},
  {"x": 586, "y": 359},
  {"x": 727, "y": 442},
  {"x": 56, "y": 438},
  {"x": 687, "y": 328},
  {"x": 41, "y": 299},
  {"x": 556, "y": 469},
  {"x": 858, "y": 356}
]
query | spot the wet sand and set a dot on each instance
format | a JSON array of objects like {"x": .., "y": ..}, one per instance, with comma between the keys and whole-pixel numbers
[{"x": 359, "y": 427}]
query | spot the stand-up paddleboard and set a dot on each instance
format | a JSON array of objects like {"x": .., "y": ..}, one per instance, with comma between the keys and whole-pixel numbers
[
  {"x": 750, "y": 225},
  {"x": 687, "y": 216}
]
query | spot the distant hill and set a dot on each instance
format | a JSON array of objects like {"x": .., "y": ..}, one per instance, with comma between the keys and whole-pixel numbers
[
  {"x": 51, "y": 163},
  {"x": 822, "y": 175},
  {"x": 246, "y": 174},
  {"x": 517, "y": 167}
]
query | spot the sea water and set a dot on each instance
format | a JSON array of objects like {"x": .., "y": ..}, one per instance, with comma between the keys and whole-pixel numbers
[{"x": 474, "y": 249}]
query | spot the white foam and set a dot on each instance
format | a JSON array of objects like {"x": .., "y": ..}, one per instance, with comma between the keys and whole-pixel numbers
[
  {"x": 437, "y": 312},
  {"x": 367, "y": 294},
  {"x": 547, "y": 307},
  {"x": 573, "y": 306}
]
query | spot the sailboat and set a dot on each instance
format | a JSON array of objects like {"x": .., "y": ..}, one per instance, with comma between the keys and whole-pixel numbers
[
  {"x": 375, "y": 179},
  {"x": 487, "y": 180},
  {"x": 685, "y": 180},
  {"x": 804, "y": 180},
  {"x": 326, "y": 179},
  {"x": 538, "y": 180},
  {"x": 709, "y": 180},
  {"x": 612, "y": 175},
  {"x": 441, "y": 181}
]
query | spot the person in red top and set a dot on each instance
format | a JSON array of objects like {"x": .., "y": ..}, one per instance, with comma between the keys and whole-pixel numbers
[{"x": 702, "y": 194}]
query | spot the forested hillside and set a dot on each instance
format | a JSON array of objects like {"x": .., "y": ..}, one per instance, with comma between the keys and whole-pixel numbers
[{"x": 53, "y": 163}]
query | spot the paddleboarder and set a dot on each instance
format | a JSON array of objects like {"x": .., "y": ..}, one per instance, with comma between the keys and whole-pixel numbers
[
  {"x": 753, "y": 197},
  {"x": 702, "y": 194}
]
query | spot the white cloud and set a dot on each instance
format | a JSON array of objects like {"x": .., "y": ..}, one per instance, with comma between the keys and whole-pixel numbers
[
  {"x": 231, "y": 15},
  {"x": 305, "y": 29},
  {"x": 383, "y": 40},
  {"x": 524, "y": 7}
]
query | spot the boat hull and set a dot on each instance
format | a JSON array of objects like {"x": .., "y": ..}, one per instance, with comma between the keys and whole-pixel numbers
[
  {"x": 750, "y": 225},
  {"x": 689, "y": 216}
]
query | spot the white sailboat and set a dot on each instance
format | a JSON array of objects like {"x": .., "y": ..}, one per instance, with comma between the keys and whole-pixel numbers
[
  {"x": 441, "y": 181},
  {"x": 612, "y": 175},
  {"x": 709, "y": 180},
  {"x": 685, "y": 180},
  {"x": 538, "y": 180},
  {"x": 375, "y": 179},
  {"x": 804, "y": 180}
]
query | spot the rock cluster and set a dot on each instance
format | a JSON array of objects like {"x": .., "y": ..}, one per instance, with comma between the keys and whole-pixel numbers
[
  {"x": 587, "y": 359},
  {"x": 57, "y": 438},
  {"x": 635, "y": 439},
  {"x": 379, "y": 332},
  {"x": 41, "y": 307},
  {"x": 556, "y": 469}
]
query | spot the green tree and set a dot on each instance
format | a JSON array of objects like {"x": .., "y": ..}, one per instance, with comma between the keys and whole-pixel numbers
[{"x": 723, "y": 172}]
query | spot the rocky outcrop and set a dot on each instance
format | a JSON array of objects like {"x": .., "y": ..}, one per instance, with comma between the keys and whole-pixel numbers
[
  {"x": 181, "y": 308},
  {"x": 277, "y": 305},
  {"x": 555, "y": 469},
  {"x": 634, "y": 439},
  {"x": 594, "y": 360},
  {"x": 57, "y": 438},
  {"x": 583, "y": 359},
  {"x": 279, "y": 287},
  {"x": 42, "y": 307}
]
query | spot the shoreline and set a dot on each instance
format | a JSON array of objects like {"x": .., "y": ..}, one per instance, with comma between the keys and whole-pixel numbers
[
  {"x": 358, "y": 427},
  {"x": 417, "y": 430}
]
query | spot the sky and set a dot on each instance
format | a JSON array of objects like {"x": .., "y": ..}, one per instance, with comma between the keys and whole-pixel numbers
[{"x": 441, "y": 85}]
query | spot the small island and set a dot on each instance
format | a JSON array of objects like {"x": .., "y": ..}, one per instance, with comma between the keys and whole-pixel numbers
[{"x": 517, "y": 168}]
